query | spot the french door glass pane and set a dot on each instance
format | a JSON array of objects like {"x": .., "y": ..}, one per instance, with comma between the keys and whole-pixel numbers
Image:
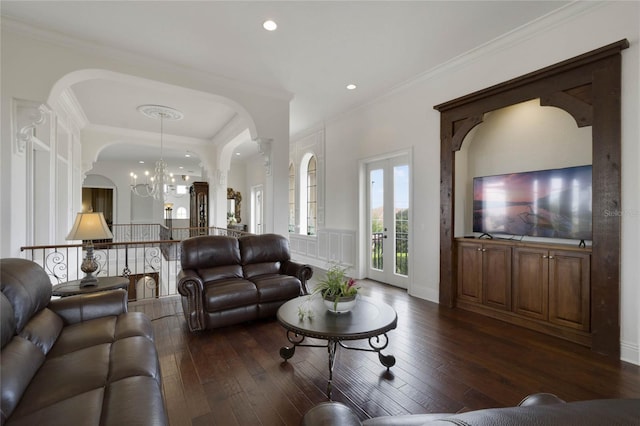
[
  {"x": 376, "y": 203},
  {"x": 401, "y": 218}
]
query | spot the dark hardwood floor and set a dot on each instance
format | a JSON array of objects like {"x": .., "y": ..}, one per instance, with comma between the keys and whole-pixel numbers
[{"x": 448, "y": 360}]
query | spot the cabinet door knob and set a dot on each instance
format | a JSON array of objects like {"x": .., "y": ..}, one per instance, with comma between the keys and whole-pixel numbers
[
  {"x": 479, "y": 249},
  {"x": 484, "y": 249},
  {"x": 550, "y": 257},
  {"x": 544, "y": 256}
]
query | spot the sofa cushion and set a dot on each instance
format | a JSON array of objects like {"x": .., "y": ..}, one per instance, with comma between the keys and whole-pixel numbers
[
  {"x": 21, "y": 359},
  {"x": 133, "y": 356},
  {"x": 64, "y": 377},
  {"x": 263, "y": 268},
  {"x": 8, "y": 325},
  {"x": 263, "y": 254},
  {"x": 83, "y": 335},
  {"x": 263, "y": 248},
  {"x": 208, "y": 251},
  {"x": 27, "y": 287},
  {"x": 43, "y": 329},
  {"x": 148, "y": 409},
  {"x": 82, "y": 409},
  {"x": 227, "y": 294},
  {"x": 220, "y": 273},
  {"x": 273, "y": 287}
]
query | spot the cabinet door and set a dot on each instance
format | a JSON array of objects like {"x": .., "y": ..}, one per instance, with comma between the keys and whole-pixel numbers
[
  {"x": 569, "y": 288},
  {"x": 496, "y": 276},
  {"x": 531, "y": 282},
  {"x": 470, "y": 272}
]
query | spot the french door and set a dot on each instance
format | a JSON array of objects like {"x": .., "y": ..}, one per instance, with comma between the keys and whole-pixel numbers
[{"x": 388, "y": 220}]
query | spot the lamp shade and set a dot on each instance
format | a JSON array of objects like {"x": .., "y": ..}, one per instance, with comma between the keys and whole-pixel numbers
[{"x": 90, "y": 226}]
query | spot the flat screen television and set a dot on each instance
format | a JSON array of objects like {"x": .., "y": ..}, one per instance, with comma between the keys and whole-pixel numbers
[{"x": 546, "y": 203}]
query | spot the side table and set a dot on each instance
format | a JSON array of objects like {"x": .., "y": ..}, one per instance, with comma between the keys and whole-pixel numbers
[{"x": 104, "y": 284}]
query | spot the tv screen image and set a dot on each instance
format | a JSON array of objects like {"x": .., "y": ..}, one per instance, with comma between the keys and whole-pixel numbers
[{"x": 546, "y": 203}]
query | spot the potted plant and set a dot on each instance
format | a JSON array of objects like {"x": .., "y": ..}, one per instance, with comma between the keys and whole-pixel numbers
[{"x": 337, "y": 290}]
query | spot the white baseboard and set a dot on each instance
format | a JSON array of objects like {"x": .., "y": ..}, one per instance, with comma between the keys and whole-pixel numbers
[{"x": 630, "y": 352}]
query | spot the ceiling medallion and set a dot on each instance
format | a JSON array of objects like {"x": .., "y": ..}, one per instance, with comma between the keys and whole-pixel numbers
[{"x": 158, "y": 112}]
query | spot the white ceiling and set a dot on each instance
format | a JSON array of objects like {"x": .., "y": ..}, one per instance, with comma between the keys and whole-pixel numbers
[{"x": 318, "y": 48}]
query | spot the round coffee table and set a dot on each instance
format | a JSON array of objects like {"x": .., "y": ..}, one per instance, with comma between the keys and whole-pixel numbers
[
  {"x": 369, "y": 319},
  {"x": 72, "y": 288}
]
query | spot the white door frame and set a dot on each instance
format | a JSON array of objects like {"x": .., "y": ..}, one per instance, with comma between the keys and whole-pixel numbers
[
  {"x": 363, "y": 231},
  {"x": 257, "y": 217}
]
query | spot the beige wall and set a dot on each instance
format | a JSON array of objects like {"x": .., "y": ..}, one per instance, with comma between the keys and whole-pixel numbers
[{"x": 518, "y": 138}]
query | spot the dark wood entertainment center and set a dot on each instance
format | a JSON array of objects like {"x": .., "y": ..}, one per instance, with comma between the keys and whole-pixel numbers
[
  {"x": 588, "y": 87},
  {"x": 544, "y": 287}
]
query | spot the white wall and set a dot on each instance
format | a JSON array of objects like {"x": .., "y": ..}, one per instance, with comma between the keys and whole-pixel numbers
[{"x": 405, "y": 119}]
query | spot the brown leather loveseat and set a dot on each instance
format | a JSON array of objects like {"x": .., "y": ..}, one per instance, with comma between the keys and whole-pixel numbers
[
  {"x": 226, "y": 280},
  {"x": 79, "y": 360}
]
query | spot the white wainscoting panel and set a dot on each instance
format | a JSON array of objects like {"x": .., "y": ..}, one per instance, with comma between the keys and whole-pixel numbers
[{"x": 329, "y": 246}]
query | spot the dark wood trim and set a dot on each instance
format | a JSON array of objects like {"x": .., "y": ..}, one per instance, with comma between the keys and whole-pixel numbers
[{"x": 592, "y": 77}]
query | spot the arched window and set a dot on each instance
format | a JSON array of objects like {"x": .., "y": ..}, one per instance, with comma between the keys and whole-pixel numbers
[
  {"x": 308, "y": 195},
  {"x": 292, "y": 198},
  {"x": 312, "y": 197},
  {"x": 181, "y": 213}
]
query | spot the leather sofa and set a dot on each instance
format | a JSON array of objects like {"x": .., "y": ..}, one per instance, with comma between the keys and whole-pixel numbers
[
  {"x": 227, "y": 280},
  {"x": 541, "y": 409},
  {"x": 78, "y": 360}
]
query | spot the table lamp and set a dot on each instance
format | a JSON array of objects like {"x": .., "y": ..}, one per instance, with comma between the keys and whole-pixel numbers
[{"x": 88, "y": 227}]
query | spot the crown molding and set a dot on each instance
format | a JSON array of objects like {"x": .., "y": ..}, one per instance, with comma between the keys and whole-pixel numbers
[
  {"x": 15, "y": 26},
  {"x": 514, "y": 37},
  {"x": 229, "y": 130},
  {"x": 69, "y": 104}
]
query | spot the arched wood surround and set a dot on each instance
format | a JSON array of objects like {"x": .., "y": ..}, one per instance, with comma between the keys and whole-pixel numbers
[{"x": 587, "y": 87}]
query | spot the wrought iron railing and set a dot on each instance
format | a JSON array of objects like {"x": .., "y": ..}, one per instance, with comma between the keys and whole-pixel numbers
[
  {"x": 151, "y": 264},
  {"x": 376, "y": 250},
  {"x": 136, "y": 232},
  {"x": 401, "y": 252}
]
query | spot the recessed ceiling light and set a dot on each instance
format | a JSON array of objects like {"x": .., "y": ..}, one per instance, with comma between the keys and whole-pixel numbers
[
  {"x": 187, "y": 155},
  {"x": 351, "y": 86},
  {"x": 269, "y": 25},
  {"x": 181, "y": 167},
  {"x": 141, "y": 162},
  {"x": 237, "y": 153}
]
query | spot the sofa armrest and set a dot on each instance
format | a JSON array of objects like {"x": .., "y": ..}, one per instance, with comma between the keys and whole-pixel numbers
[
  {"x": 540, "y": 399},
  {"x": 300, "y": 271},
  {"x": 190, "y": 286},
  {"x": 84, "y": 307}
]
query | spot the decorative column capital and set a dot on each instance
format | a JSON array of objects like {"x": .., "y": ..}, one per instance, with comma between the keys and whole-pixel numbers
[{"x": 30, "y": 115}]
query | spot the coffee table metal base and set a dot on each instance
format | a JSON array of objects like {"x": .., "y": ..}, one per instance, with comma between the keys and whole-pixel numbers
[
  {"x": 375, "y": 343},
  {"x": 369, "y": 320}
]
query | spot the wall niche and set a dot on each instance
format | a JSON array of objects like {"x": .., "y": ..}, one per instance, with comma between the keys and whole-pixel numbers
[
  {"x": 588, "y": 87},
  {"x": 517, "y": 138}
]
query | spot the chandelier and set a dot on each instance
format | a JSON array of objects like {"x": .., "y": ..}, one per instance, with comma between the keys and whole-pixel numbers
[{"x": 156, "y": 185}]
